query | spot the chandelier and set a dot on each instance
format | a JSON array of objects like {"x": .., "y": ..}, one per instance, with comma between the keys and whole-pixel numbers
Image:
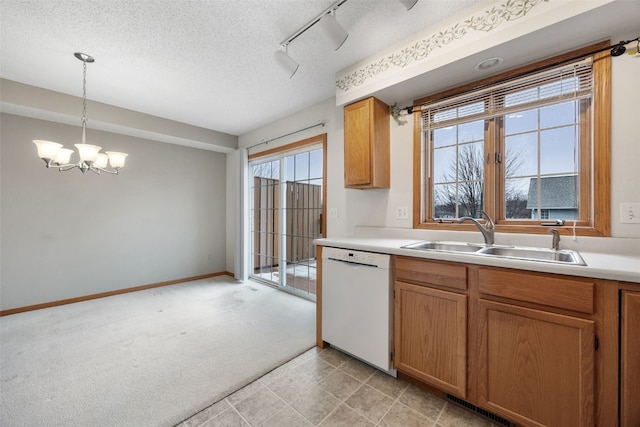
[{"x": 55, "y": 156}]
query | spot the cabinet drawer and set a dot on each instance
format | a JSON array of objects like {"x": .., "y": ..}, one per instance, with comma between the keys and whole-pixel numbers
[
  {"x": 425, "y": 272},
  {"x": 570, "y": 294}
]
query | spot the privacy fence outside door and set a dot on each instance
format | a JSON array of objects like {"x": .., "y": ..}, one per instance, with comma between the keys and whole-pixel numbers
[{"x": 303, "y": 205}]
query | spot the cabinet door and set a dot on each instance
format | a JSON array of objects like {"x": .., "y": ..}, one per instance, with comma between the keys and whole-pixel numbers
[
  {"x": 630, "y": 360},
  {"x": 535, "y": 367},
  {"x": 430, "y": 336},
  {"x": 357, "y": 143}
]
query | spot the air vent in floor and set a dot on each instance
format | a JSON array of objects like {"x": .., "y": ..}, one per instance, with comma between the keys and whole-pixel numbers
[{"x": 479, "y": 411}]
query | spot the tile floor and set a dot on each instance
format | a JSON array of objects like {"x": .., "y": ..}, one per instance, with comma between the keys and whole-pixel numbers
[{"x": 325, "y": 387}]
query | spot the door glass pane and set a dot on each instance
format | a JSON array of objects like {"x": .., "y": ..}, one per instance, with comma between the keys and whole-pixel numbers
[
  {"x": 265, "y": 221},
  {"x": 292, "y": 217},
  {"x": 303, "y": 210},
  {"x": 315, "y": 164},
  {"x": 301, "y": 166}
]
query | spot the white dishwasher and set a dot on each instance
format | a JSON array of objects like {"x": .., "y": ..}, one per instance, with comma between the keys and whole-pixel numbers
[{"x": 357, "y": 298}]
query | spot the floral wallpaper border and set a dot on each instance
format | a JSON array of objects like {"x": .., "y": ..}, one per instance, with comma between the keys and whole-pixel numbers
[{"x": 492, "y": 18}]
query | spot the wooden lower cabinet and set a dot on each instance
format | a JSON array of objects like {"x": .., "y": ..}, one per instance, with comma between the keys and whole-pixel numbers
[
  {"x": 630, "y": 360},
  {"x": 520, "y": 344},
  {"x": 536, "y": 367},
  {"x": 431, "y": 336}
]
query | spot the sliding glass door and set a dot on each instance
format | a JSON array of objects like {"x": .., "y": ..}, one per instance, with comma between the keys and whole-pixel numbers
[{"x": 287, "y": 199}]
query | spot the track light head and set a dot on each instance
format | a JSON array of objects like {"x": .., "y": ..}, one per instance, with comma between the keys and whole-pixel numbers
[
  {"x": 333, "y": 30},
  {"x": 408, "y": 3},
  {"x": 286, "y": 62}
]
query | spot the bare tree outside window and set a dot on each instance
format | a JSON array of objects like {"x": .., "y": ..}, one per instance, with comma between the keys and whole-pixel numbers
[
  {"x": 516, "y": 204},
  {"x": 460, "y": 190}
]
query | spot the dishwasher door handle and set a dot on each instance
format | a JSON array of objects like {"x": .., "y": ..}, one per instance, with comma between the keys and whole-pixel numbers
[{"x": 351, "y": 262}]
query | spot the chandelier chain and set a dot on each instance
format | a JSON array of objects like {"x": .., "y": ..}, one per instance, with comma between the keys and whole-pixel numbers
[{"x": 84, "y": 92}]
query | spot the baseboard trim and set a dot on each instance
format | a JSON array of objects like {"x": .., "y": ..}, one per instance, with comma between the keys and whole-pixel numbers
[{"x": 108, "y": 294}]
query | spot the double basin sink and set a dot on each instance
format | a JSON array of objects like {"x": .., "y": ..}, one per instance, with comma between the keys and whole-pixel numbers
[{"x": 562, "y": 256}]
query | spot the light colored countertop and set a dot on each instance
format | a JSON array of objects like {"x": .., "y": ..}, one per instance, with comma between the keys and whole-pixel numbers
[{"x": 606, "y": 258}]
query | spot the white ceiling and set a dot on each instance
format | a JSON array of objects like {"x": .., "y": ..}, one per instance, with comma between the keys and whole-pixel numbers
[
  {"x": 209, "y": 63},
  {"x": 204, "y": 63}
]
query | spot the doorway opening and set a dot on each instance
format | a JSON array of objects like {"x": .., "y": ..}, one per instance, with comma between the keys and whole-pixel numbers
[{"x": 287, "y": 199}]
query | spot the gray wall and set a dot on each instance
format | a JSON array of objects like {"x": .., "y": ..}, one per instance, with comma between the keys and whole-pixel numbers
[{"x": 65, "y": 235}]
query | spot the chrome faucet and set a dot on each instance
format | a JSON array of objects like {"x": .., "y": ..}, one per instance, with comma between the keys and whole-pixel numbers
[
  {"x": 487, "y": 230},
  {"x": 555, "y": 244}
]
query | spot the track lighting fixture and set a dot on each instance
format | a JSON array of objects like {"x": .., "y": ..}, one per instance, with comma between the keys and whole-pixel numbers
[
  {"x": 331, "y": 27},
  {"x": 333, "y": 30},
  {"x": 408, "y": 3},
  {"x": 285, "y": 61}
]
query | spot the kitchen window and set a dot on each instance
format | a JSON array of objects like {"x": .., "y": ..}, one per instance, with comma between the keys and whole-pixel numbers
[{"x": 528, "y": 147}]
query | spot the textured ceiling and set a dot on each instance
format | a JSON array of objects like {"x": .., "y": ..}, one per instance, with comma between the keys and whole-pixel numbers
[{"x": 205, "y": 63}]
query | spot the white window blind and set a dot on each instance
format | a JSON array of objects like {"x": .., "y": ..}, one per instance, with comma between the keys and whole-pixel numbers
[{"x": 563, "y": 83}]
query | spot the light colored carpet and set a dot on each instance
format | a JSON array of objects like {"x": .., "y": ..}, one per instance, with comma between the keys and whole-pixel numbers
[{"x": 148, "y": 358}]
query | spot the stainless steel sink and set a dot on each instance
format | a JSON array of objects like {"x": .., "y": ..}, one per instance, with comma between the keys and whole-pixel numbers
[
  {"x": 513, "y": 252},
  {"x": 535, "y": 254},
  {"x": 445, "y": 246}
]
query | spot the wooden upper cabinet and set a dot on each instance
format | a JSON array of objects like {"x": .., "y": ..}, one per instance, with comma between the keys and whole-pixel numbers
[{"x": 366, "y": 144}]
